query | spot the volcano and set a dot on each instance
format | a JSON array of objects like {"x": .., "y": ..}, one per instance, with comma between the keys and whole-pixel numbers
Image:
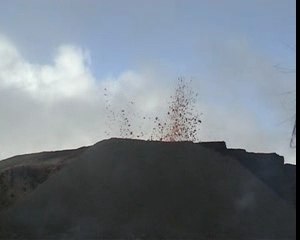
[{"x": 134, "y": 189}]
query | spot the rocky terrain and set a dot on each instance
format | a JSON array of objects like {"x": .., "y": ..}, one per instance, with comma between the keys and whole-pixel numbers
[
  {"x": 20, "y": 175},
  {"x": 133, "y": 189}
]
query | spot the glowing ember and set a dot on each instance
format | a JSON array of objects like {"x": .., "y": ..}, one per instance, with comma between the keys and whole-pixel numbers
[
  {"x": 181, "y": 124},
  {"x": 182, "y": 118}
]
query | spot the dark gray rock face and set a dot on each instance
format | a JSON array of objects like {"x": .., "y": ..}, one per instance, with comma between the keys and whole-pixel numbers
[
  {"x": 129, "y": 189},
  {"x": 20, "y": 175},
  {"x": 268, "y": 167}
]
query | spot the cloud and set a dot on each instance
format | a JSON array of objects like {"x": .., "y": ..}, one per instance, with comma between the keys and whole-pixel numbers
[
  {"x": 62, "y": 104},
  {"x": 36, "y": 101},
  {"x": 68, "y": 76}
]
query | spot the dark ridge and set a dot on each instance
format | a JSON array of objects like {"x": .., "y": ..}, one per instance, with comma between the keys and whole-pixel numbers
[
  {"x": 132, "y": 189},
  {"x": 39, "y": 158},
  {"x": 218, "y": 146},
  {"x": 268, "y": 167}
]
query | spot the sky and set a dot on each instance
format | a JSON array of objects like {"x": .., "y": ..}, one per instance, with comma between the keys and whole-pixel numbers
[{"x": 58, "y": 56}]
